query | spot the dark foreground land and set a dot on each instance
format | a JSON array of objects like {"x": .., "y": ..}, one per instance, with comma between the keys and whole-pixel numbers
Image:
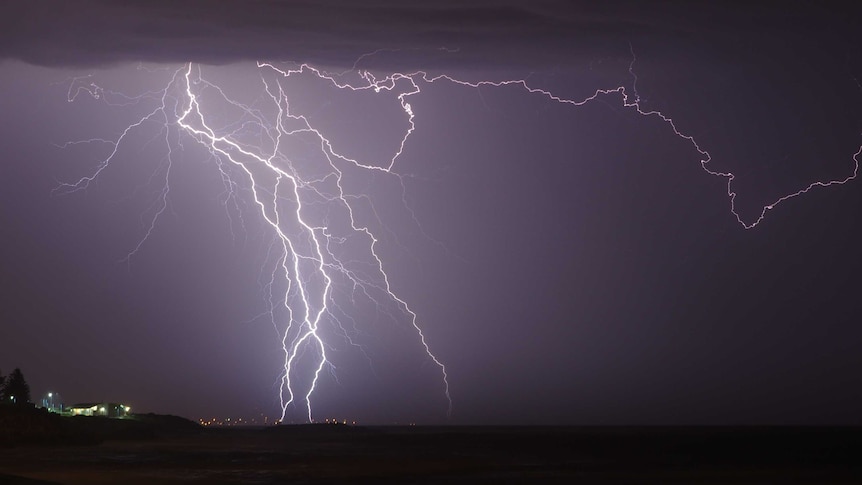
[{"x": 317, "y": 454}]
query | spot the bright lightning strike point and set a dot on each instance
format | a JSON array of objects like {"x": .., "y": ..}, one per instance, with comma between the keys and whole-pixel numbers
[{"x": 310, "y": 255}]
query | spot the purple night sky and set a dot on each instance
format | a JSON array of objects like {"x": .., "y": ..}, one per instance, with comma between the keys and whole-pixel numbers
[{"x": 568, "y": 264}]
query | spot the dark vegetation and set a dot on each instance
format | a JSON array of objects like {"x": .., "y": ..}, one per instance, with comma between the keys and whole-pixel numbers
[
  {"x": 14, "y": 389},
  {"x": 27, "y": 425},
  {"x": 21, "y": 423}
]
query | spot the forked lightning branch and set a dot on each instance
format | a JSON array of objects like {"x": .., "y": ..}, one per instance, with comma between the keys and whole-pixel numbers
[{"x": 312, "y": 256}]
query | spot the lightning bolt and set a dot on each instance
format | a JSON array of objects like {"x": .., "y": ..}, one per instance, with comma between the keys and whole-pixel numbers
[{"x": 310, "y": 248}]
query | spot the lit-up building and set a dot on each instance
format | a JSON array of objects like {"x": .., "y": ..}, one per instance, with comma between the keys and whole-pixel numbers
[{"x": 107, "y": 409}]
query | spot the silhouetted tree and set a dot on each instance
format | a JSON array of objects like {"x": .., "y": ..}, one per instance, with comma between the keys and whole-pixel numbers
[
  {"x": 16, "y": 389},
  {"x": 2, "y": 384}
]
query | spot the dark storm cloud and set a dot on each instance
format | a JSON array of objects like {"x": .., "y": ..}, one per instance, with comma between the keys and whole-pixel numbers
[{"x": 93, "y": 32}]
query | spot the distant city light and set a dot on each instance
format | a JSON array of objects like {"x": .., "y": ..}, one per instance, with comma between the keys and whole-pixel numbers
[{"x": 262, "y": 420}]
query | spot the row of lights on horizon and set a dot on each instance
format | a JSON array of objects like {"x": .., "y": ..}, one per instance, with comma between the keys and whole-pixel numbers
[{"x": 263, "y": 421}]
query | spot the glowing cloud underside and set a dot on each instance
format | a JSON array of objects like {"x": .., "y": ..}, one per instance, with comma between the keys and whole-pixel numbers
[{"x": 254, "y": 152}]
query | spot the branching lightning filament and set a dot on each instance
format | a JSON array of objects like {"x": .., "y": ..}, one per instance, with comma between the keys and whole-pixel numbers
[{"x": 313, "y": 214}]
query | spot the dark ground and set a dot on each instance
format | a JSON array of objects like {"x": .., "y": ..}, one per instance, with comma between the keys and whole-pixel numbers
[{"x": 315, "y": 454}]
